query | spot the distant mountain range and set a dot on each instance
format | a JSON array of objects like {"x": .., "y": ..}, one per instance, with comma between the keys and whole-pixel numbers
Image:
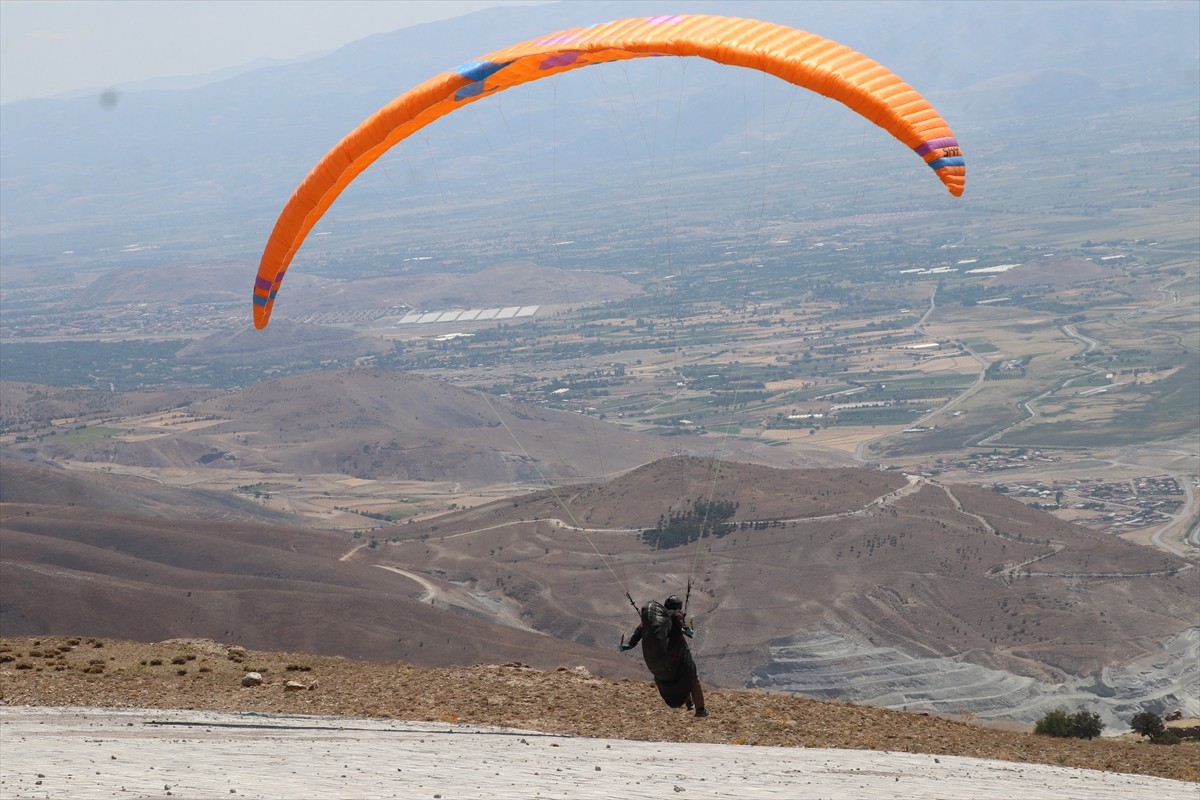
[{"x": 202, "y": 171}]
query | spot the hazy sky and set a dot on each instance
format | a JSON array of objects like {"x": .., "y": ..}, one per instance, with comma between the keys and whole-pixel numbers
[{"x": 48, "y": 47}]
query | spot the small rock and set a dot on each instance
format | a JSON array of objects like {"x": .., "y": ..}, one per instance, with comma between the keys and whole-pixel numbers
[
  {"x": 252, "y": 679},
  {"x": 294, "y": 686}
]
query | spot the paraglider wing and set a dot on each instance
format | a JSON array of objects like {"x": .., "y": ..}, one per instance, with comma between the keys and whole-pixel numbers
[{"x": 804, "y": 59}]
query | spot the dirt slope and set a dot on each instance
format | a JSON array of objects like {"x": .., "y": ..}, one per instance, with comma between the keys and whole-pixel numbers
[
  {"x": 201, "y": 674},
  {"x": 937, "y": 570},
  {"x": 113, "y": 574},
  {"x": 38, "y": 485}
]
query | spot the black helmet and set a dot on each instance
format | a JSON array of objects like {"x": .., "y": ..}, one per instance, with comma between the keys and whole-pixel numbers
[{"x": 673, "y": 603}]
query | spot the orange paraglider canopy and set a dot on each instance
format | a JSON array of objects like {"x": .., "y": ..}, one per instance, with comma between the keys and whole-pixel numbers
[{"x": 804, "y": 59}]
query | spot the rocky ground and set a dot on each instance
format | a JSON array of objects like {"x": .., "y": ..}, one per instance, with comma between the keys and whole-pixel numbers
[{"x": 201, "y": 674}]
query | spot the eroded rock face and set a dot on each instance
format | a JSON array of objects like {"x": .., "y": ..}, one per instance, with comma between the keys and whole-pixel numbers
[{"x": 827, "y": 666}]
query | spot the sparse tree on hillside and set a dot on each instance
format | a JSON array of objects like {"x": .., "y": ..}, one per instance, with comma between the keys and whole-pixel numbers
[
  {"x": 1148, "y": 724},
  {"x": 1080, "y": 725},
  {"x": 1054, "y": 723},
  {"x": 1086, "y": 725}
]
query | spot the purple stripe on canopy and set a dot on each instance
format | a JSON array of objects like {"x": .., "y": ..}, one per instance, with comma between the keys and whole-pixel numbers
[
  {"x": 935, "y": 144},
  {"x": 559, "y": 60}
]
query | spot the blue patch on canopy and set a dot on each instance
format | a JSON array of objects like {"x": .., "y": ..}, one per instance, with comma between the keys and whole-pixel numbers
[
  {"x": 470, "y": 90},
  {"x": 480, "y": 70},
  {"x": 954, "y": 161}
]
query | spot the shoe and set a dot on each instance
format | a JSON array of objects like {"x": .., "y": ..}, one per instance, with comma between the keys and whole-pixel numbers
[
  {"x": 701, "y": 712},
  {"x": 690, "y": 705}
]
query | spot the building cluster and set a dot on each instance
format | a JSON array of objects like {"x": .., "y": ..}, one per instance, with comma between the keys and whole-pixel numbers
[
  {"x": 995, "y": 461},
  {"x": 137, "y": 319},
  {"x": 1156, "y": 486},
  {"x": 1111, "y": 506}
]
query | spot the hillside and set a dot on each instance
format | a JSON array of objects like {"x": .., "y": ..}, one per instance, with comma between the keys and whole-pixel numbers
[
  {"x": 39, "y": 485},
  {"x": 162, "y": 286},
  {"x": 931, "y": 596},
  {"x": 373, "y": 423},
  {"x": 846, "y": 584},
  {"x": 289, "y": 343},
  {"x": 78, "y": 568},
  {"x": 200, "y": 674},
  {"x": 24, "y": 405}
]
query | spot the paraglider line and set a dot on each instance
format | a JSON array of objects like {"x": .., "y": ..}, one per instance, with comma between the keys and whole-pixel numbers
[
  {"x": 557, "y": 497},
  {"x": 756, "y": 249}
]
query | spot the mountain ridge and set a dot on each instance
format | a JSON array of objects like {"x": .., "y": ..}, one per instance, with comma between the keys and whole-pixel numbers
[{"x": 212, "y": 156}]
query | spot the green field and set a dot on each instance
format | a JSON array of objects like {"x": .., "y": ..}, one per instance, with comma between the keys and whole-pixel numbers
[
  {"x": 87, "y": 434},
  {"x": 1165, "y": 410}
]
